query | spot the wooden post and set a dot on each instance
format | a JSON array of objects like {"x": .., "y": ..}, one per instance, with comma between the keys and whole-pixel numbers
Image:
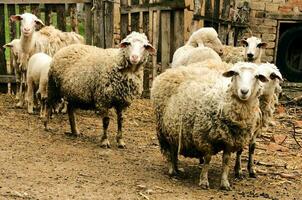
[
  {"x": 135, "y": 18},
  {"x": 109, "y": 24},
  {"x": 61, "y": 18},
  {"x": 177, "y": 39},
  {"x": 48, "y": 9},
  {"x": 124, "y": 21},
  {"x": 74, "y": 18},
  {"x": 165, "y": 39},
  {"x": 2, "y": 40},
  {"x": 99, "y": 36},
  {"x": 216, "y": 13},
  {"x": 12, "y": 32},
  {"x": 35, "y": 10},
  {"x": 88, "y": 23},
  {"x": 223, "y": 29},
  {"x": 208, "y": 12},
  {"x": 156, "y": 29},
  {"x": 147, "y": 69}
]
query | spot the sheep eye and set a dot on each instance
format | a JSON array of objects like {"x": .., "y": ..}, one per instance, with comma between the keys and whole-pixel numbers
[{"x": 259, "y": 45}]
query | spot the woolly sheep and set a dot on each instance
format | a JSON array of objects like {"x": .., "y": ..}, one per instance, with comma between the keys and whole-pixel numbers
[
  {"x": 201, "y": 119},
  {"x": 194, "y": 55},
  {"x": 15, "y": 51},
  {"x": 267, "y": 106},
  {"x": 37, "y": 79},
  {"x": 48, "y": 40},
  {"x": 93, "y": 78},
  {"x": 204, "y": 37}
]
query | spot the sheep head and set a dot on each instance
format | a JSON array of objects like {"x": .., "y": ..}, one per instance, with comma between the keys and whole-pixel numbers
[
  {"x": 136, "y": 48},
  {"x": 274, "y": 76},
  {"x": 14, "y": 45},
  {"x": 253, "y": 46},
  {"x": 29, "y": 23},
  {"x": 246, "y": 80},
  {"x": 208, "y": 37}
]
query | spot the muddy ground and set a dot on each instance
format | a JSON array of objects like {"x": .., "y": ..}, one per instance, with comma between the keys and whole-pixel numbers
[{"x": 36, "y": 164}]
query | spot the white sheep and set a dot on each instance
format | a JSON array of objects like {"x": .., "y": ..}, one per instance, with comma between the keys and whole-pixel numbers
[
  {"x": 93, "y": 78},
  {"x": 204, "y": 37},
  {"x": 251, "y": 51},
  {"x": 47, "y": 40},
  {"x": 203, "y": 117},
  {"x": 37, "y": 81},
  {"x": 15, "y": 51},
  {"x": 268, "y": 100}
]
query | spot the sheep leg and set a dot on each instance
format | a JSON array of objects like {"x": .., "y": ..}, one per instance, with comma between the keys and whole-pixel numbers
[
  {"x": 30, "y": 97},
  {"x": 204, "y": 181},
  {"x": 119, "y": 136},
  {"x": 104, "y": 141},
  {"x": 172, "y": 162},
  {"x": 72, "y": 121},
  {"x": 250, "y": 165},
  {"x": 238, "y": 171},
  {"x": 225, "y": 185},
  {"x": 21, "y": 92}
]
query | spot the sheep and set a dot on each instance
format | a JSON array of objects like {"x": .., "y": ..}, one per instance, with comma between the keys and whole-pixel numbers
[
  {"x": 47, "y": 40},
  {"x": 204, "y": 37},
  {"x": 268, "y": 100},
  {"x": 201, "y": 119},
  {"x": 37, "y": 79},
  {"x": 251, "y": 51},
  {"x": 194, "y": 55},
  {"x": 15, "y": 51},
  {"x": 93, "y": 78}
]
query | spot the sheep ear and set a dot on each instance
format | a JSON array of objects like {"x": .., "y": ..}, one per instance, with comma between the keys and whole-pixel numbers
[
  {"x": 244, "y": 42},
  {"x": 39, "y": 22},
  {"x": 150, "y": 49},
  {"x": 230, "y": 73},
  {"x": 274, "y": 76},
  {"x": 262, "y": 45},
  {"x": 14, "y": 18},
  {"x": 8, "y": 45},
  {"x": 262, "y": 78},
  {"x": 124, "y": 44}
]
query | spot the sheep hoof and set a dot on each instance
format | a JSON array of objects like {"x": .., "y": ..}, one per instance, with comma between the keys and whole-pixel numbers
[
  {"x": 121, "y": 144},
  {"x": 105, "y": 143},
  {"x": 19, "y": 105},
  {"x": 173, "y": 172},
  {"x": 225, "y": 186},
  {"x": 70, "y": 134},
  {"x": 238, "y": 175},
  {"x": 252, "y": 175},
  {"x": 204, "y": 184}
]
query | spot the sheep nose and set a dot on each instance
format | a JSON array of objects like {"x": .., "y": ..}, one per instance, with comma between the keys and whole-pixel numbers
[
  {"x": 244, "y": 91},
  {"x": 134, "y": 57},
  {"x": 250, "y": 55}
]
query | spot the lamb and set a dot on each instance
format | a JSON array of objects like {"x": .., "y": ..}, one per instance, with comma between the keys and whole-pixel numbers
[
  {"x": 268, "y": 100},
  {"x": 37, "y": 79},
  {"x": 15, "y": 51},
  {"x": 93, "y": 78},
  {"x": 48, "y": 40},
  {"x": 201, "y": 119},
  {"x": 251, "y": 51},
  {"x": 204, "y": 37}
]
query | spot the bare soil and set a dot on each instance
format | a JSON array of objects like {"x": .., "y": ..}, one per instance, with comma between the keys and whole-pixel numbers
[{"x": 38, "y": 164}]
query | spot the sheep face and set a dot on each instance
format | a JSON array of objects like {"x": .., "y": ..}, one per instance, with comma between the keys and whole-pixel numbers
[
  {"x": 245, "y": 80},
  {"x": 14, "y": 45},
  {"x": 253, "y": 45},
  {"x": 136, "y": 46},
  {"x": 28, "y": 23},
  {"x": 274, "y": 77}
]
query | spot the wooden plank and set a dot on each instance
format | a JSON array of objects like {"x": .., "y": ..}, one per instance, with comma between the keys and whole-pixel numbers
[
  {"x": 135, "y": 17},
  {"x": 163, "y": 6},
  {"x": 165, "y": 39},
  {"x": 124, "y": 20},
  {"x": 35, "y": 10},
  {"x": 156, "y": 29},
  {"x": 177, "y": 39},
  {"x": 98, "y": 39},
  {"x": 216, "y": 13},
  {"x": 208, "y": 13},
  {"x": 12, "y": 33},
  {"x": 7, "y": 79},
  {"x": 147, "y": 69},
  {"x": 109, "y": 23},
  {"x": 61, "y": 18},
  {"x": 88, "y": 23},
  {"x": 2, "y": 40},
  {"x": 43, "y": 1},
  {"x": 48, "y": 9},
  {"x": 73, "y": 18}
]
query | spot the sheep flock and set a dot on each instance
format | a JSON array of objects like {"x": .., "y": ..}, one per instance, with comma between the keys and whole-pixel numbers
[{"x": 214, "y": 98}]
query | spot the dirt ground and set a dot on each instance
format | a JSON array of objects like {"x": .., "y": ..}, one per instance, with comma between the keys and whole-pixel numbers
[{"x": 36, "y": 164}]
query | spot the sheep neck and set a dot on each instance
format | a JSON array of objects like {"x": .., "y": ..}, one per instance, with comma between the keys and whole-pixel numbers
[{"x": 27, "y": 44}]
